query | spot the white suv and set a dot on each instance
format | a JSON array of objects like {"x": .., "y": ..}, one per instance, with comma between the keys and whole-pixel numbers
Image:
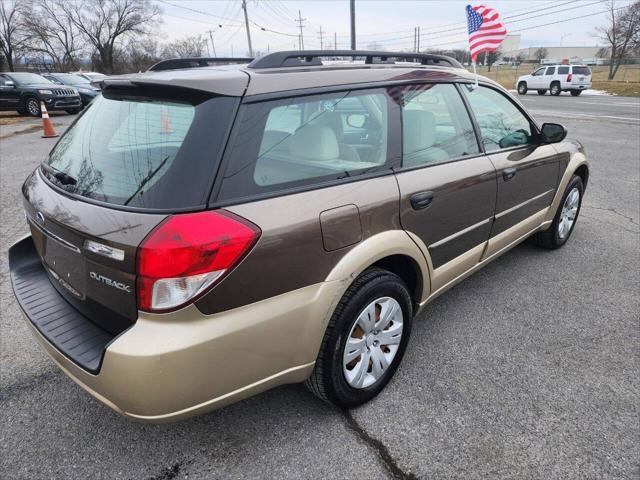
[{"x": 556, "y": 79}]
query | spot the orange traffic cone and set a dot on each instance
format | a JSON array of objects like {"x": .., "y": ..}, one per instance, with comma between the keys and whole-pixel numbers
[
  {"x": 165, "y": 122},
  {"x": 47, "y": 126}
]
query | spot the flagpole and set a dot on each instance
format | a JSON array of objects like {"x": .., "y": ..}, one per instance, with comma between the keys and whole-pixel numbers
[{"x": 475, "y": 72}]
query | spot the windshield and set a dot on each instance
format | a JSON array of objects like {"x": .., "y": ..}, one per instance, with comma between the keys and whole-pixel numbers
[
  {"x": 143, "y": 152},
  {"x": 28, "y": 78},
  {"x": 71, "y": 79}
]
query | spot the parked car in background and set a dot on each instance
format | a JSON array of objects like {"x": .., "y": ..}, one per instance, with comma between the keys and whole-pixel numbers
[
  {"x": 91, "y": 76},
  {"x": 200, "y": 237},
  {"x": 23, "y": 92},
  {"x": 556, "y": 79},
  {"x": 87, "y": 91}
]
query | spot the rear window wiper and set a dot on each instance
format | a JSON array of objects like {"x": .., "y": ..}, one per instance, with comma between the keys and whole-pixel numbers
[{"x": 63, "y": 178}]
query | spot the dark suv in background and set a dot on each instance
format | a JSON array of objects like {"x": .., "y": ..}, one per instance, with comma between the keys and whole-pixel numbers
[
  {"x": 23, "y": 92},
  {"x": 201, "y": 235},
  {"x": 84, "y": 87}
]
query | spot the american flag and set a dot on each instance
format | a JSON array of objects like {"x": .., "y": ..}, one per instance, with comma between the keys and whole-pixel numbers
[{"x": 486, "y": 33}]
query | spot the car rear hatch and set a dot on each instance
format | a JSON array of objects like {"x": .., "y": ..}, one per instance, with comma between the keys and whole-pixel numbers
[
  {"x": 581, "y": 75},
  {"x": 136, "y": 156}
]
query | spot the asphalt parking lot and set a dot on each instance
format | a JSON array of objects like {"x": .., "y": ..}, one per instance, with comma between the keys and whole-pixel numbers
[{"x": 528, "y": 369}]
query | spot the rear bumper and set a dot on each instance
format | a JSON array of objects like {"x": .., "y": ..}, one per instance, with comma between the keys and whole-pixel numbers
[{"x": 173, "y": 366}]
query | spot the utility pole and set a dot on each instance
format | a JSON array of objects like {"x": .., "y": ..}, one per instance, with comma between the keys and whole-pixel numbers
[
  {"x": 335, "y": 40},
  {"x": 418, "y": 39},
  {"x": 246, "y": 23},
  {"x": 415, "y": 39},
  {"x": 353, "y": 24},
  {"x": 212, "y": 44},
  {"x": 321, "y": 36},
  {"x": 299, "y": 21}
]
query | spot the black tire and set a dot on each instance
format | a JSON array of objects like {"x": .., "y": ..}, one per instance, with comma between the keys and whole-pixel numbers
[
  {"x": 551, "y": 238},
  {"x": 541, "y": 92},
  {"x": 522, "y": 88},
  {"x": 328, "y": 380},
  {"x": 576, "y": 93},
  {"x": 555, "y": 89},
  {"x": 73, "y": 111},
  {"x": 32, "y": 106}
]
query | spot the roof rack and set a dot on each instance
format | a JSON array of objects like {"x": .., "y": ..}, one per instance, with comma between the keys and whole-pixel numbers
[
  {"x": 195, "y": 62},
  {"x": 309, "y": 58}
]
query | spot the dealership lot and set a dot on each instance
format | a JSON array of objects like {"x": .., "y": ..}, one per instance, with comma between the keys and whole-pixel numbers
[{"x": 530, "y": 368}]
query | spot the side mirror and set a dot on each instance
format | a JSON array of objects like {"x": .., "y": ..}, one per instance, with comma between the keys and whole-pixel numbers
[
  {"x": 356, "y": 120},
  {"x": 553, "y": 132},
  {"x": 10, "y": 83}
]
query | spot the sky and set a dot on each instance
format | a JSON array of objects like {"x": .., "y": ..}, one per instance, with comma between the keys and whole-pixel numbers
[{"x": 385, "y": 24}]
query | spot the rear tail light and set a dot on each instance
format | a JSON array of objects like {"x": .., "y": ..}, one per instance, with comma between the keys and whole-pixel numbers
[
  {"x": 186, "y": 254},
  {"x": 569, "y": 77}
]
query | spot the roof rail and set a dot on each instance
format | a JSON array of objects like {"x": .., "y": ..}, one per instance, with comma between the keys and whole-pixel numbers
[
  {"x": 309, "y": 58},
  {"x": 195, "y": 62}
]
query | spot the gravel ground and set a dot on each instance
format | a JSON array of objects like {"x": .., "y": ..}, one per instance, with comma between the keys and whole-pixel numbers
[{"x": 528, "y": 369}]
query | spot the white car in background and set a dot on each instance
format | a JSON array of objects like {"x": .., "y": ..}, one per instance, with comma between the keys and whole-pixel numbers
[{"x": 556, "y": 79}]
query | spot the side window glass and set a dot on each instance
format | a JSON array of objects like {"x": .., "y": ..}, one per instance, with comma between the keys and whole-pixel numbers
[
  {"x": 502, "y": 124},
  {"x": 563, "y": 70},
  {"x": 539, "y": 72},
  {"x": 551, "y": 71},
  {"x": 436, "y": 125},
  {"x": 287, "y": 143}
]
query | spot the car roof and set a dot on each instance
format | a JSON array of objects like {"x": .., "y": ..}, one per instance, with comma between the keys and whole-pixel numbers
[{"x": 239, "y": 80}]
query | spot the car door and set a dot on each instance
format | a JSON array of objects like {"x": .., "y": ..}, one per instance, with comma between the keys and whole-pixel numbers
[
  {"x": 9, "y": 97},
  {"x": 537, "y": 79},
  {"x": 527, "y": 169},
  {"x": 447, "y": 186},
  {"x": 549, "y": 76}
]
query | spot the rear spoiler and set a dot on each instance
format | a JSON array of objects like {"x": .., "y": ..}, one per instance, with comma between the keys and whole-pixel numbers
[{"x": 196, "y": 62}]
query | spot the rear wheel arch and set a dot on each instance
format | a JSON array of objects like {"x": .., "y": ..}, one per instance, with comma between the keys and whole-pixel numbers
[
  {"x": 408, "y": 270},
  {"x": 393, "y": 250}
]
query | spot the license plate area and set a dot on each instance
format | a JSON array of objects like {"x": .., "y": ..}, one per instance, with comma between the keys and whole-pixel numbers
[{"x": 66, "y": 266}]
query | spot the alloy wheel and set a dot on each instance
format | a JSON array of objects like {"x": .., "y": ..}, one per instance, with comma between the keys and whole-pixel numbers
[
  {"x": 568, "y": 213},
  {"x": 373, "y": 342},
  {"x": 33, "y": 107}
]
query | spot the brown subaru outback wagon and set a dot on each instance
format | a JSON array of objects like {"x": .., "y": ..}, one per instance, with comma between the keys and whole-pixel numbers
[{"x": 203, "y": 234}]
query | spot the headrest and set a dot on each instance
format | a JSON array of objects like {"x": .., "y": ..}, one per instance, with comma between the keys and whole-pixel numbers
[
  {"x": 314, "y": 142},
  {"x": 419, "y": 130}
]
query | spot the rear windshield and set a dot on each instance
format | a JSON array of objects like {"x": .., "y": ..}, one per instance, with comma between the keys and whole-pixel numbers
[
  {"x": 146, "y": 152},
  {"x": 581, "y": 71}
]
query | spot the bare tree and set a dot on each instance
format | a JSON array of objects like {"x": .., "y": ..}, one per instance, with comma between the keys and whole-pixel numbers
[
  {"x": 142, "y": 54},
  {"x": 620, "y": 33},
  {"x": 540, "y": 54},
  {"x": 189, "y": 46},
  {"x": 107, "y": 23},
  {"x": 53, "y": 33},
  {"x": 11, "y": 31},
  {"x": 492, "y": 57}
]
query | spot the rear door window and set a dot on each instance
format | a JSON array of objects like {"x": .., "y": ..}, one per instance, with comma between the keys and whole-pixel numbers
[
  {"x": 142, "y": 151},
  {"x": 289, "y": 143},
  {"x": 563, "y": 70},
  {"x": 436, "y": 125}
]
